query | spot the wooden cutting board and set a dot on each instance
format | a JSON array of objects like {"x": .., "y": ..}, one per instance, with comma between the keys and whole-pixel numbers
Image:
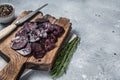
[{"x": 17, "y": 63}]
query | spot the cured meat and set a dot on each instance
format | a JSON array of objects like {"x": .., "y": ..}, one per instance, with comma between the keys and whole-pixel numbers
[
  {"x": 52, "y": 38},
  {"x": 38, "y": 50},
  {"x": 43, "y": 33},
  {"x": 41, "y": 20},
  {"x": 26, "y": 50},
  {"x": 19, "y": 42},
  {"x": 58, "y": 31},
  {"x": 48, "y": 26},
  {"x": 29, "y": 26},
  {"x": 21, "y": 32},
  {"x": 49, "y": 45},
  {"x": 36, "y": 37}
]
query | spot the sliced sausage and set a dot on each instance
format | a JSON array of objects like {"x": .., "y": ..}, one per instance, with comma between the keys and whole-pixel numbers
[
  {"x": 43, "y": 33},
  {"x": 38, "y": 50},
  {"x": 26, "y": 50},
  {"x": 49, "y": 45},
  {"x": 34, "y": 35},
  {"x": 41, "y": 20},
  {"x": 21, "y": 32},
  {"x": 29, "y": 26},
  {"x": 19, "y": 42}
]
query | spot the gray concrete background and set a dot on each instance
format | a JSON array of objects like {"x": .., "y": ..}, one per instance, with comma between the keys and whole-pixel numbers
[{"x": 97, "y": 22}]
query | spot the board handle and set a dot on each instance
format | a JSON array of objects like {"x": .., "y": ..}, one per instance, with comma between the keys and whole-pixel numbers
[
  {"x": 6, "y": 31},
  {"x": 14, "y": 68}
]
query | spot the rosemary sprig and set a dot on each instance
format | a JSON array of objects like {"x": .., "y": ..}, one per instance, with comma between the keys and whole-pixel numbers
[{"x": 63, "y": 58}]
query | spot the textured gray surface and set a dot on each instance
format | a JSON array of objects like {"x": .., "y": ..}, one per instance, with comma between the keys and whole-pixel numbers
[{"x": 97, "y": 22}]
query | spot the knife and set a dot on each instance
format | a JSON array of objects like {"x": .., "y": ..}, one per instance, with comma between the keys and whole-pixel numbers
[{"x": 6, "y": 31}]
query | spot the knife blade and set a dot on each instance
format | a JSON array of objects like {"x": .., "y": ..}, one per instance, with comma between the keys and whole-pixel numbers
[
  {"x": 7, "y": 30},
  {"x": 29, "y": 15}
]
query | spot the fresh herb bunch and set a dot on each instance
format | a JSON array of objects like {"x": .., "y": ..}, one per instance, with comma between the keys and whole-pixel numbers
[{"x": 63, "y": 58}]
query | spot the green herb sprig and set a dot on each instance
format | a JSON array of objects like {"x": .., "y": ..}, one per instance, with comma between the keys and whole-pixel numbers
[{"x": 63, "y": 58}]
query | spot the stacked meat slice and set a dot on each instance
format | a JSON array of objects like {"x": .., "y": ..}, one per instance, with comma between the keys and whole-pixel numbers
[{"x": 36, "y": 38}]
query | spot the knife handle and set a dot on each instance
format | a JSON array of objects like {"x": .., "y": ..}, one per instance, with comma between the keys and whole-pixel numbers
[{"x": 6, "y": 31}]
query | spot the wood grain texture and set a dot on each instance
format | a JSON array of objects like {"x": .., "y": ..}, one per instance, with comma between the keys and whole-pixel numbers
[{"x": 15, "y": 65}]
